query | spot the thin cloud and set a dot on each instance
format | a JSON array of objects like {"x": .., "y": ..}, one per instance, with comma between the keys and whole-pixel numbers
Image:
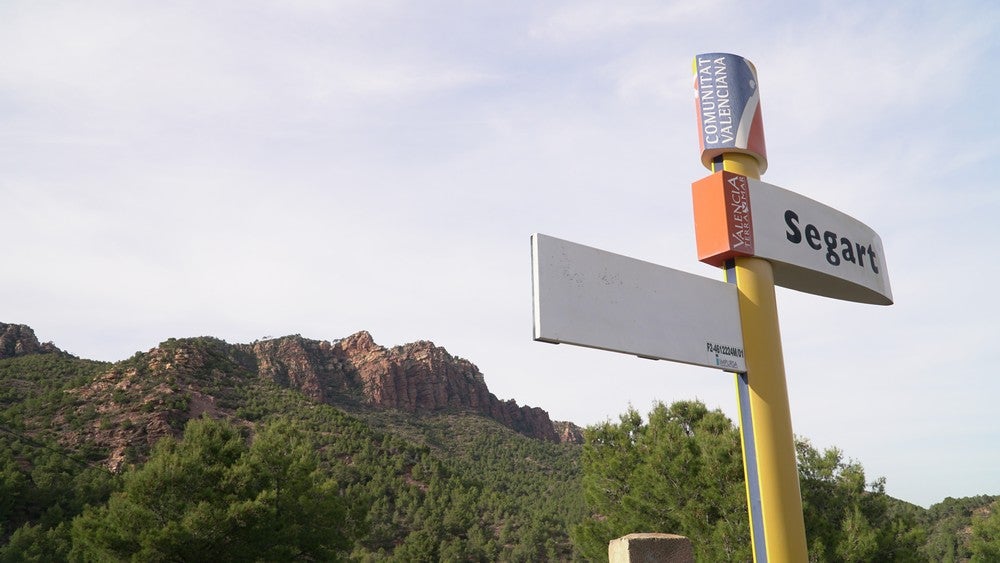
[
  {"x": 871, "y": 67},
  {"x": 579, "y": 21}
]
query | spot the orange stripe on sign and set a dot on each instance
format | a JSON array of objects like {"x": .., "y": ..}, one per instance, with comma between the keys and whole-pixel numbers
[{"x": 723, "y": 217}]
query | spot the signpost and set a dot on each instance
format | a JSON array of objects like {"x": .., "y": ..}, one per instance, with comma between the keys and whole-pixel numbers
[{"x": 761, "y": 235}]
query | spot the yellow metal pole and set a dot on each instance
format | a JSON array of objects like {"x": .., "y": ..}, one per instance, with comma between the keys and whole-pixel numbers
[{"x": 780, "y": 501}]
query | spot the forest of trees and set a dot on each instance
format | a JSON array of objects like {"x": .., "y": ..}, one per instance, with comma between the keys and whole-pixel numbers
[
  {"x": 283, "y": 478},
  {"x": 682, "y": 471}
]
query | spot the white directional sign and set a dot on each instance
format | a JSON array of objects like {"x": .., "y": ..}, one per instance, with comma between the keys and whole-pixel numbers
[
  {"x": 593, "y": 298},
  {"x": 812, "y": 247}
]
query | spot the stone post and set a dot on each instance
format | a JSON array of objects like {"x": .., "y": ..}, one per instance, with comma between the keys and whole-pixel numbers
[{"x": 651, "y": 548}]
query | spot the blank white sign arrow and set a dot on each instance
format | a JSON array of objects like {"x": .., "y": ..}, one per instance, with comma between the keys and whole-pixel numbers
[{"x": 598, "y": 299}]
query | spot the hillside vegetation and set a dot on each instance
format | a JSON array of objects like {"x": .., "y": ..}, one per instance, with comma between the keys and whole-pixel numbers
[
  {"x": 189, "y": 452},
  {"x": 448, "y": 485}
]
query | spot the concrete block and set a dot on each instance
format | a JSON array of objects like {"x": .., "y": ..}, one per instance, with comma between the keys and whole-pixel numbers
[{"x": 651, "y": 548}]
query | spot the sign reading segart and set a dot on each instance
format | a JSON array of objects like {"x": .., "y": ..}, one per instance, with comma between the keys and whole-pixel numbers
[
  {"x": 593, "y": 298},
  {"x": 812, "y": 247}
]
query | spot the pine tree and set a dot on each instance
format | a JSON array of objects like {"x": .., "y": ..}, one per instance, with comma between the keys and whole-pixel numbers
[{"x": 211, "y": 497}]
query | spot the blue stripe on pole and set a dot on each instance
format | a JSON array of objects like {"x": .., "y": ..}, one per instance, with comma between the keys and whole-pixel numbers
[
  {"x": 753, "y": 476},
  {"x": 749, "y": 451}
]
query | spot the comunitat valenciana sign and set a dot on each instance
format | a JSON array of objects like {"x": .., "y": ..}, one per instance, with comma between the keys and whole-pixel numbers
[
  {"x": 812, "y": 247},
  {"x": 728, "y": 108}
]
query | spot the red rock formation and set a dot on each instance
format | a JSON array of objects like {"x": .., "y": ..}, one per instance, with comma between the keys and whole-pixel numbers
[
  {"x": 568, "y": 432},
  {"x": 416, "y": 377},
  {"x": 307, "y": 365},
  {"x": 20, "y": 340}
]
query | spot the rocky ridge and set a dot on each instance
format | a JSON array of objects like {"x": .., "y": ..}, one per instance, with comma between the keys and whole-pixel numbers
[
  {"x": 416, "y": 377},
  {"x": 152, "y": 394},
  {"x": 20, "y": 340}
]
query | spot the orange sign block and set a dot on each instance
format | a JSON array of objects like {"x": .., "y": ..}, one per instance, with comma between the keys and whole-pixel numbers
[{"x": 723, "y": 219}]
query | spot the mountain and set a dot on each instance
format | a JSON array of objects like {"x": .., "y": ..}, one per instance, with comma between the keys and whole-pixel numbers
[
  {"x": 152, "y": 394},
  {"x": 428, "y": 462}
]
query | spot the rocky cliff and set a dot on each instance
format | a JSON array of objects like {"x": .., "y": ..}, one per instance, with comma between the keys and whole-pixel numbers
[
  {"x": 568, "y": 432},
  {"x": 174, "y": 379},
  {"x": 20, "y": 340},
  {"x": 416, "y": 377}
]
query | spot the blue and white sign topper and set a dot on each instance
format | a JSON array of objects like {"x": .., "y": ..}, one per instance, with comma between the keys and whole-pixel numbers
[{"x": 728, "y": 107}]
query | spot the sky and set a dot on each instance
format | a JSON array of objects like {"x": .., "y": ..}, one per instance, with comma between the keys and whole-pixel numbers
[{"x": 260, "y": 168}]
